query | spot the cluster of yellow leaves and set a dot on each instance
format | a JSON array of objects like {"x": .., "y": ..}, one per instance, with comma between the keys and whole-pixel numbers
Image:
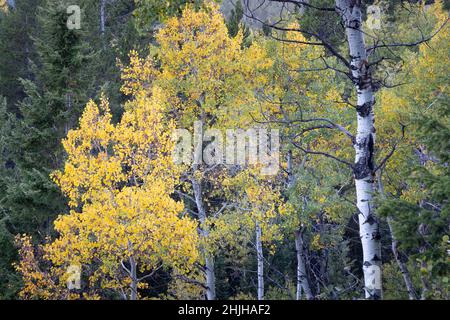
[
  {"x": 119, "y": 180},
  {"x": 37, "y": 284},
  {"x": 301, "y": 87},
  {"x": 138, "y": 74},
  {"x": 40, "y": 283},
  {"x": 102, "y": 156},
  {"x": 316, "y": 243},
  {"x": 122, "y": 177},
  {"x": 4, "y": 5},
  {"x": 204, "y": 73}
]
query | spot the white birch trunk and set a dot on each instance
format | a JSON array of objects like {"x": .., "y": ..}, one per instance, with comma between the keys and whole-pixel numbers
[
  {"x": 302, "y": 278},
  {"x": 203, "y": 232},
  {"x": 260, "y": 259},
  {"x": 102, "y": 16},
  {"x": 210, "y": 278},
  {"x": 350, "y": 11}
]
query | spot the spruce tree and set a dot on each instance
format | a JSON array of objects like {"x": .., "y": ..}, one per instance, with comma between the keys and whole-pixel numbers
[
  {"x": 16, "y": 48},
  {"x": 31, "y": 147}
]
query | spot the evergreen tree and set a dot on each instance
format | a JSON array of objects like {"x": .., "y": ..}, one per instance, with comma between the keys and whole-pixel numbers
[
  {"x": 16, "y": 48},
  {"x": 31, "y": 148},
  {"x": 234, "y": 23}
]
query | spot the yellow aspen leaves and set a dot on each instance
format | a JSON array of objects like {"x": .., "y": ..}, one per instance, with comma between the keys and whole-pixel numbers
[{"x": 119, "y": 180}]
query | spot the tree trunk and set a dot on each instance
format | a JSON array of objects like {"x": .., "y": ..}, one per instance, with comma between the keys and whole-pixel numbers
[
  {"x": 350, "y": 12},
  {"x": 203, "y": 232},
  {"x": 102, "y": 16},
  {"x": 133, "y": 275},
  {"x": 260, "y": 259},
  {"x": 302, "y": 277},
  {"x": 402, "y": 266},
  {"x": 11, "y": 4}
]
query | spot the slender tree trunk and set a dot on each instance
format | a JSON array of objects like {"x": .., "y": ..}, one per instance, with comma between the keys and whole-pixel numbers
[
  {"x": 350, "y": 11},
  {"x": 402, "y": 266},
  {"x": 260, "y": 259},
  {"x": 133, "y": 275},
  {"x": 397, "y": 255},
  {"x": 302, "y": 277},
  {"x": 203, "y": 232},
  {"x": 102, "y": 16},
  {"x": 210, "y": 278}
]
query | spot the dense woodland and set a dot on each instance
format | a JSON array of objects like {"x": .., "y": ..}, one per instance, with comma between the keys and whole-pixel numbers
[{"x": 88, "y": 180}]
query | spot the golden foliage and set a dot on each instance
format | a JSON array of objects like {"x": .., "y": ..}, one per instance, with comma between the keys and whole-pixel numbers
[{"x": 119, "y": 180}]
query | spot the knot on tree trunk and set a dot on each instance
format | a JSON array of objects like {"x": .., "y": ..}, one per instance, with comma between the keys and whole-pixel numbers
[{"x": 364, "y": 109}]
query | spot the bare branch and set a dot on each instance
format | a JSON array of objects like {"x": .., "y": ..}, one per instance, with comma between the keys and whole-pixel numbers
[
  {"x": 125, "y": 268},
  {"x": 192, "y": 281},
  {"x": 306, "y": 4},
  {"x": 323, "y": 154},
  {"x": 185, "y": 195},
  {"x": 275, "y": 26},
  {"x": 410, "y": 44},
  {"x": 225, "y": 205},
  {"x": 150, "y": 274},
  {"x": 386, "y": 158},
  {"x": 332, "y": 124}
]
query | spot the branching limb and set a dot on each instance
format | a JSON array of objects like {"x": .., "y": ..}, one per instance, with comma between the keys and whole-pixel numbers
[
  {"x": 185, "y": 195},
  {"x": 322, "y": 42},
  {"x": 306, "y": 4},
  {"x": 386, "y": 158},
  {"x": 410, "y": 44},
  {"x": 191, "y": 281},
  {"x": 350, "y": 165},
  {"x": 332, "y": 125}
]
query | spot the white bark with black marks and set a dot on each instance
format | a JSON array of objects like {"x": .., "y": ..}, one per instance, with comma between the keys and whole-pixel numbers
[{"x": 350, "y": 12}]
